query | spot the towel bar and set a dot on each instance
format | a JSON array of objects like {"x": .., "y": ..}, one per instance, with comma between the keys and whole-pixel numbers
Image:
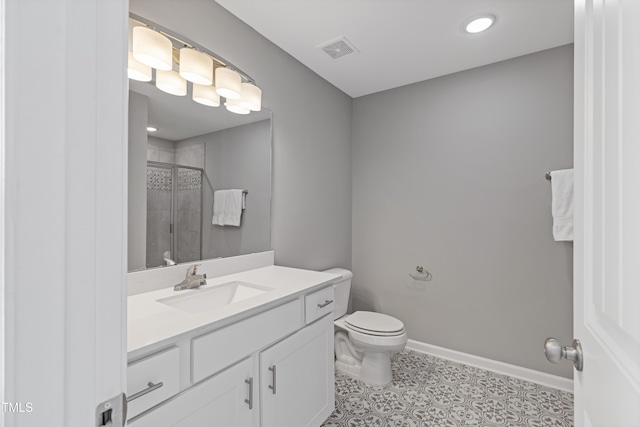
[{"x": 548, "y": 176}]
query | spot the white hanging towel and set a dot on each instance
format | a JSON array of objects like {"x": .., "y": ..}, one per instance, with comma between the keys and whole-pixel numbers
[
  {"x": 562, "y": 204},
  {"x": 219, "y": 205},
  {"x": 227, "y": 207}
]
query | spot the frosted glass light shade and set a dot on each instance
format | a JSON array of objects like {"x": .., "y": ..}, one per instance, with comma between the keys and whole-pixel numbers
[
  {"x": 228, "y": 83},
  {"x": 196, "y": 67},
  {"x": 137, "y": 70},
  {"x": 171, "y": 82},
  {"x": 234, "y": 106},
  {"x": 152, "y": 48},
  {"x": 206, "y": 95},
  {"x": 132, "y": 25},
  {"x": 251, "y": 97}
]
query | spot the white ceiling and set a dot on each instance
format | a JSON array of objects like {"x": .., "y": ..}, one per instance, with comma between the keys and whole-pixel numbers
[{"x": 404, "y": 41}]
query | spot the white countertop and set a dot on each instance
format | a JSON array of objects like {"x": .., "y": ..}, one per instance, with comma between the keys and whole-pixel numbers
[{"x": 150, "y": 322}]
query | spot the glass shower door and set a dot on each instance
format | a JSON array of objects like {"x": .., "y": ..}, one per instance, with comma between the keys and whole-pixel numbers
[
  {"x": 188, "y": 224},
  {"x": 159, "y": 214},
  {"x": 174, "y": 214}
]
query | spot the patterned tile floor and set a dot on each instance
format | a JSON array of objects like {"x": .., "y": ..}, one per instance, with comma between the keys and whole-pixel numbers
[{"x": 432, "y": 392}]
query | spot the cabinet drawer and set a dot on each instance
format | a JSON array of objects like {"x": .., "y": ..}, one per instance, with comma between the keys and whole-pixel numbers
[
  {"x": 163, "y": 367},
  {"x": 318, "y": 304},
  {"x": 221, "y": 348}
]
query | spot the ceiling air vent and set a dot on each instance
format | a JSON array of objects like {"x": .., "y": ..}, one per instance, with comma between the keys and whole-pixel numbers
[{"x": 339, "y": 48}]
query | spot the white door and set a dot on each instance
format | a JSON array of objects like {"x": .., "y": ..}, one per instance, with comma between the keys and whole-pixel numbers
[
  {"x": 63, "y": 211},
  {"x": 607, "y": 190}
]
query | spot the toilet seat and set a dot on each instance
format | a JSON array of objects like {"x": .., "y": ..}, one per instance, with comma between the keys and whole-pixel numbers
[
  {"x": 360, "y": 326},
  {"x": 381, "y": 342},
  {"x": 372, "y": 333},
  {"x": 378, "y": 324}
]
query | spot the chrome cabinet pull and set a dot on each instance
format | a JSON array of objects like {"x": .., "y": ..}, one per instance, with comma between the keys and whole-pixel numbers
[
  {"x": 273, "y": 370},
  {"x": 141, "y": 393},
  {"x": 249, "y": 401},
  {"x": 326, "y": 303}
]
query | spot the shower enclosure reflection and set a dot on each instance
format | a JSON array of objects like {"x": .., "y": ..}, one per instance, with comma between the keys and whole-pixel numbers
[
  {"x": 174, "y": 214},
  {"x": 174, "y": 172}
]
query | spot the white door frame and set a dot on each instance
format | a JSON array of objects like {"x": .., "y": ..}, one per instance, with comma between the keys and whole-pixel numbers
[{"x": 63, "y": 208}]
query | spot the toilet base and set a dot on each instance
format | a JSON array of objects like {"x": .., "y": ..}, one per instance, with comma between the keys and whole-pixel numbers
[
  {"x": 372, "y": 367},
  {"x": 375, "y": 369}
]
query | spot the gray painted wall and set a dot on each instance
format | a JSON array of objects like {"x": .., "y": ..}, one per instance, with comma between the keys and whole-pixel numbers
[
  {"x": 137, "y": 196},
  {"x": 238, "y": 157},
  {"x": 311, "y": 204},
  {"x": 449, "y": 174}
]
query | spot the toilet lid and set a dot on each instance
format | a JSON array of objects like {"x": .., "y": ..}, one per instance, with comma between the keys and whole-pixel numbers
[{"x": 375, "y": 323}]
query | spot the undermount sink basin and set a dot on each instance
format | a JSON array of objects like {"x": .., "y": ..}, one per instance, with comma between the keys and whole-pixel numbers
[{"x": 204, "y": 299}]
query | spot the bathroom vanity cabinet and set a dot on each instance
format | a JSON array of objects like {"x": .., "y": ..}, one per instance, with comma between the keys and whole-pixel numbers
[
  {"x": 271, "y": 368},
  {"x": 216, "y": 401},
  {"x": 297, "y": 387}
]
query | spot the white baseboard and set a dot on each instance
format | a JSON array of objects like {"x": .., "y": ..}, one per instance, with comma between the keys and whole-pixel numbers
[{"x": 526, "y": 374}]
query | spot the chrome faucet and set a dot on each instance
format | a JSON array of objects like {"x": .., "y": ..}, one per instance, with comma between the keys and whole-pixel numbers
[{"x": 193, "y": 280}]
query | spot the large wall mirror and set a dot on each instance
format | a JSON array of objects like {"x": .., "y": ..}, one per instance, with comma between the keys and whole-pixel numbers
[{"x": 175, "y": 170}]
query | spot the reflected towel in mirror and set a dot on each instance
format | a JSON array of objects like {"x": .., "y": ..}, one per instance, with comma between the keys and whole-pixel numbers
[{"x": 227, "y": 207}]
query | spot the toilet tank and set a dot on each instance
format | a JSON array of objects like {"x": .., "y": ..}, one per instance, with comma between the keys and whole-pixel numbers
[{"x": 341, "y": 289}]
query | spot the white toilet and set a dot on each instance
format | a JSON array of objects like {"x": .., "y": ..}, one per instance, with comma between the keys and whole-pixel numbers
[{"x": 364, "y": 340}]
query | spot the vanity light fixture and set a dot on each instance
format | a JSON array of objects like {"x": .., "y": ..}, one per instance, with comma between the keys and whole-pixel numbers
[
  {"x": 171, "y": 82},
  {"x": 251, "y": 97},
  {"x": 228, "y": 83},
  {"x": 136, "y": 70},
  {"x": 152, "y": 48},
  {"x": 480, "y": 23},
  {"x": 151, "y": 129},
  {"x": 234, "y": 106},
  {"x": 206, "y": 95},
  {"x": 196, "y": 67}
]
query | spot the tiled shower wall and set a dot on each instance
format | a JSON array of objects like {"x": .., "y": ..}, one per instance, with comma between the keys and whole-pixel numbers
[
  {"x": 161, "y": 150},
  {"x": 189, "y": 154}
]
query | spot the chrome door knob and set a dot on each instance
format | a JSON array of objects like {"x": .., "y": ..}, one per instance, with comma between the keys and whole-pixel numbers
[{"x": 555, "y": 352}]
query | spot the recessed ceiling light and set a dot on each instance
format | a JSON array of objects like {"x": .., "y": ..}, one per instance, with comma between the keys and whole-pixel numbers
[
  {"x": 480, "y": 23},
  {"x": 151, "y": 129}
]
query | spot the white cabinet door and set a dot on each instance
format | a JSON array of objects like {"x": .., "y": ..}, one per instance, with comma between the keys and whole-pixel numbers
[
  {"x": 297, "y": 378},
  {"x": 219, "y": 401}
]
